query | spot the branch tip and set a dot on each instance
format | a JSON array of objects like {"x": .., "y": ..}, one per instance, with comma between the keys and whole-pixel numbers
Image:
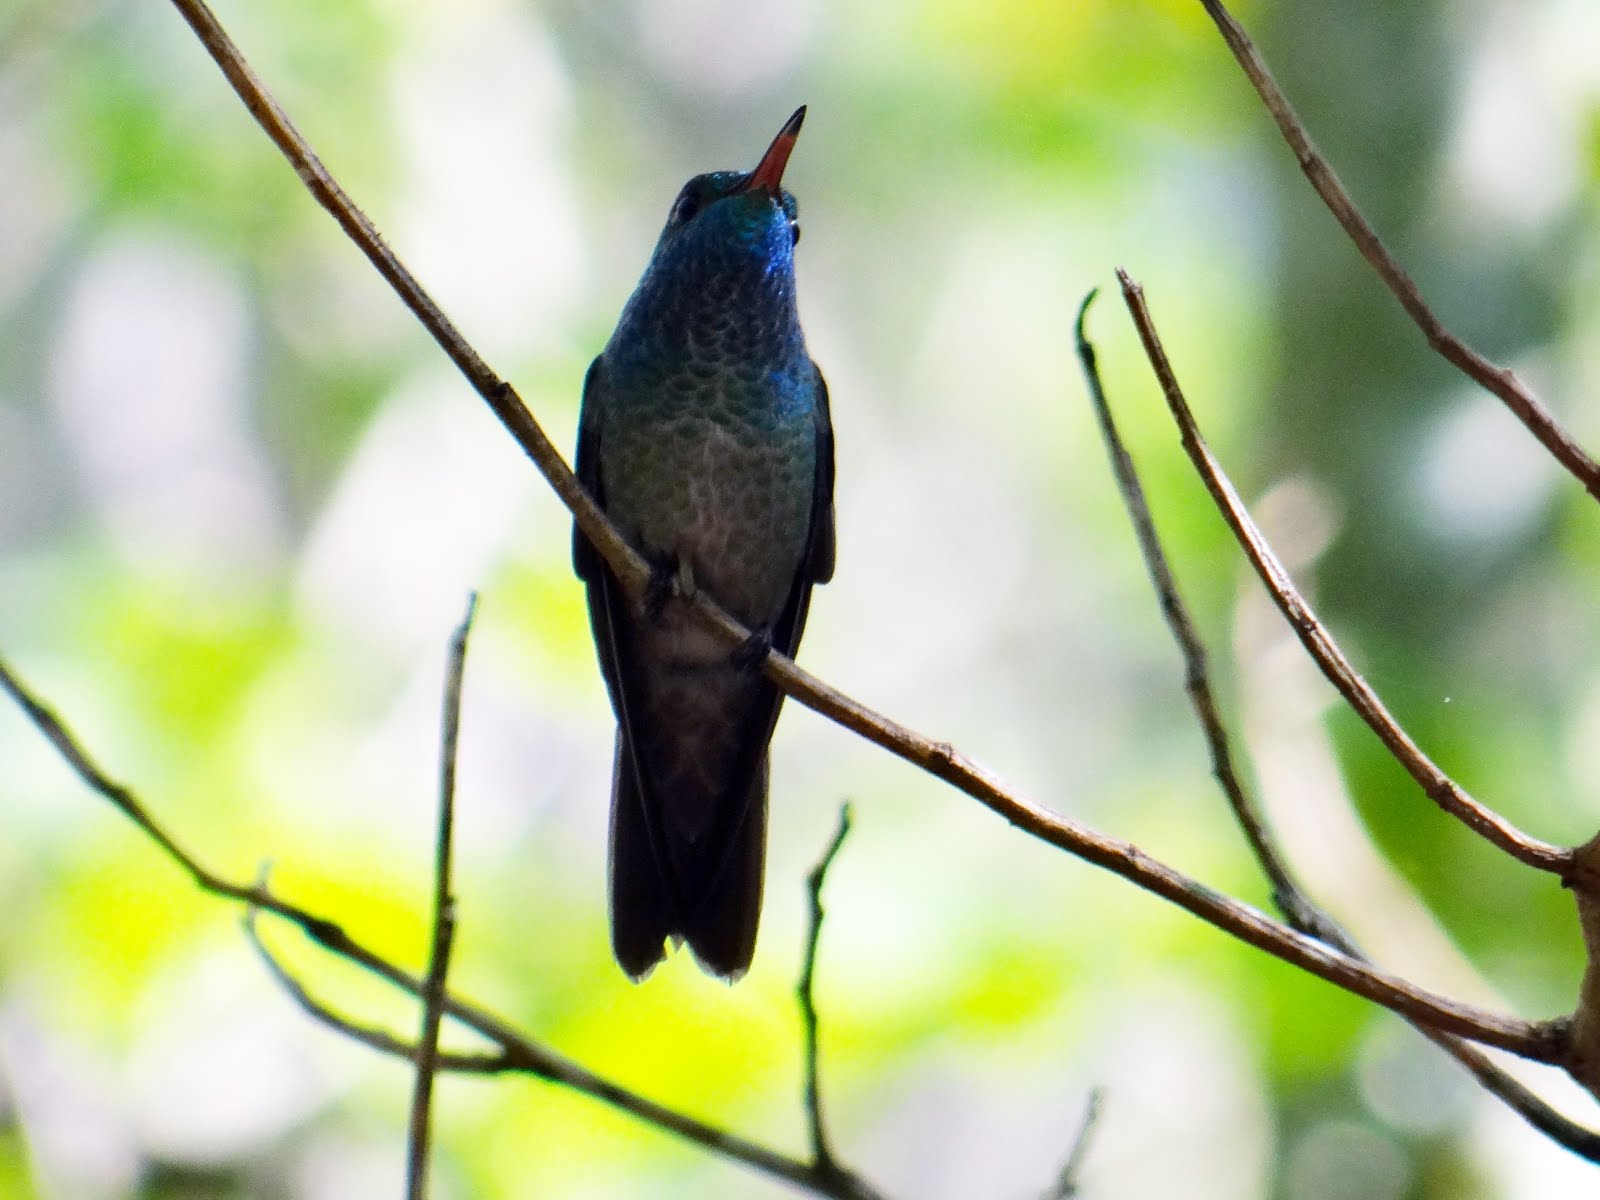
[{"x": 821, "y": 1153}]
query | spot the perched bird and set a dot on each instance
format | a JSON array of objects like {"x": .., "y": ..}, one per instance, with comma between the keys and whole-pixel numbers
[{"x": 705, "y": 437}]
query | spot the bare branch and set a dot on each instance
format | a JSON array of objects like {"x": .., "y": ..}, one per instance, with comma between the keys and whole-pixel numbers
[
  {"x": 821, "y": 1154},
  {"x": 1577, "y": 869},
  {"x": 1584, "y": 1041},
  {"x": 1520, "y": 1099},
  {"x": 519, "y": 1052},
  {"x": 1542, "y": 1042},
  {"x": 629, "y": 568},
  {"x": 1298, "y": 908},
  {"x": 1286, "y": 893},
  {"x": 1499, "y": 381},
  {"x": 1066, "y": 1184},
  {"x": 1440, "y": 788},
  {"x": 444, "y": 918},
  {"x": 377, "y": 1039},
  {"x": 324, "y": 932}
]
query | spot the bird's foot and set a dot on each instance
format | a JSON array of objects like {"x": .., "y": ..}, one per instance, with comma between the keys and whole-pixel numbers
[
  {"x": 658, "y": 588},
  {"x": 668, "y": 577},
  {"x": 749, "y": 654}
]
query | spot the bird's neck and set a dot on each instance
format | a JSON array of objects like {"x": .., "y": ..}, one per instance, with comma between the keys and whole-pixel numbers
[{"x": 706, "y": 317}]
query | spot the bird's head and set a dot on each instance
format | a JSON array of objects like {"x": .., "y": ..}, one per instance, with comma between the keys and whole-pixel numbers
[
  {"x": 720, "y": 285},
  {"x": 728, "y": 220}
]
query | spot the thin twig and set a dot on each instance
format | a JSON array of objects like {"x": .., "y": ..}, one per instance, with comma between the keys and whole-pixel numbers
[
  {"x": 501, "y": 398},
  {"x": 521, "y": 1053},
  {"x": 1500, "y": 381},
  {"x": 1319, "y": 643},
  {"x": 1291, "y": 899},
  {"x": 324, "y": 932},
  {"x": 939, "y": 759},
  {"x": 1542, "y": 1042},
  {"x": 368, "y": 1035},
  {"x": 444, "y": 918},
  {"x": 1066, "y": 1184},
  {"x": 517, "y": 1054},
  {"x": 1286, "y": 894},
  {"x": 821, "y": 1153}
]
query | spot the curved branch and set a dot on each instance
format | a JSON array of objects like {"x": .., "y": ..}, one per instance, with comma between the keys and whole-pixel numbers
[
  {"x": 518, "y": 1055},
  {"x": 1497, "y": 380},
  {"x": 1287, "y": 894},
  {"x": 518, "y": 1052},
  {"x": 821, "y": 1152},
  {"x": 1290, "y": 898},
  {"x": 1066, "y": 1185},
  {"x": 444, "y": 918},
  {"x": 370, "y": 1036},
  {"x": 1314, "y": 636}
]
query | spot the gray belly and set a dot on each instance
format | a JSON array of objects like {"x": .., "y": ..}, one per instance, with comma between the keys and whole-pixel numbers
[{"x": 732, "y": 504}]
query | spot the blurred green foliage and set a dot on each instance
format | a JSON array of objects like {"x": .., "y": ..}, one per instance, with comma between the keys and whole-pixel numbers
[{"x": 242, "y": 500}]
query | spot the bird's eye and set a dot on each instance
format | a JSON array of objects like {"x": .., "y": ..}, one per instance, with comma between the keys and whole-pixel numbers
[
  {"x": 794, "y": 233},
  {"x": 684, "y": 207}
]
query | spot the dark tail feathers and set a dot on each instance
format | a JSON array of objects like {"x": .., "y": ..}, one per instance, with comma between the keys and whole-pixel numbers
[{"x": 715, "y": 908}]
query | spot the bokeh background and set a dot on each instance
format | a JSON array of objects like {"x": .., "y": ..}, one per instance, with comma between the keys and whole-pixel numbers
[{"x": 243, "y": 499}]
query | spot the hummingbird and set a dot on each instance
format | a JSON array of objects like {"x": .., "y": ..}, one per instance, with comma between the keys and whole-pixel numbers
[{"x": 705, "y": 436}]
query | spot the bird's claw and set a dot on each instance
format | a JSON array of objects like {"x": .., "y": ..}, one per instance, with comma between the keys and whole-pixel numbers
[
  {"x": 668, "y": 578},
  {"x": 753, "y": 651},
  {"x": 658, "y": 588}
]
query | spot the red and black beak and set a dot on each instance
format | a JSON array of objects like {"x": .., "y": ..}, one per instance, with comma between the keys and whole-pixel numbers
[{"x": 769, "y": 171}]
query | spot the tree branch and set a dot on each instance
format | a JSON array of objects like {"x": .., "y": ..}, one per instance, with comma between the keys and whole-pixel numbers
[
  {"x": 444, "y": 918},
  {"x": 1066, "y": 1184},
  {"x": 1291, "y": 899},
  {"x": 1542, "y": 1042},
  {"x": 1314, "y": 636},
  {"x": 821, "y": 1154},
  {"x": 1287, "y": 895},
  {"x": 629, "y": 568},
  {"x": 1499, "y": 381},
  {"x": 519, "y": 1053},
  {"x": 368, "y": 1035}
]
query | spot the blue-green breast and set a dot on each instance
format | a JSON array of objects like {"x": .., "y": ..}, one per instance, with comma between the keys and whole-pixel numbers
[{"x": 707, "y": 407}]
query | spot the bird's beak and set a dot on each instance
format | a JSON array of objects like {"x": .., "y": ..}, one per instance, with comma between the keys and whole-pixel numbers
[{"x": 769, "y": 171}]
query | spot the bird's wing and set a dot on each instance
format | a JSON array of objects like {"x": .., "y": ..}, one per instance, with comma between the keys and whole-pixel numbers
[
  {"x": 817, "y": 564},
  {"x": 819, "y": 555},
  {"x": 642, "y": 899},
  {"x": 584, "y": 558},
  {"x": 608, "y": 617}
]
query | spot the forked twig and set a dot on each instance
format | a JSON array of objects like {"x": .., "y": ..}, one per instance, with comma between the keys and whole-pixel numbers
[
  {"x": 1291, "y": 899},
  {"x": 444, "y": 918},
  {"x": 368, "y": 1035},
  {"x": 1499, "y": 381},
  {"x": 1314, "y": 636},
  {"x": 518, "y": 1052},
  {"x": 1287, "y": 895},
  {"x": 1066, "y": 1183},
  {"x": 821, "y": 1153}
]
